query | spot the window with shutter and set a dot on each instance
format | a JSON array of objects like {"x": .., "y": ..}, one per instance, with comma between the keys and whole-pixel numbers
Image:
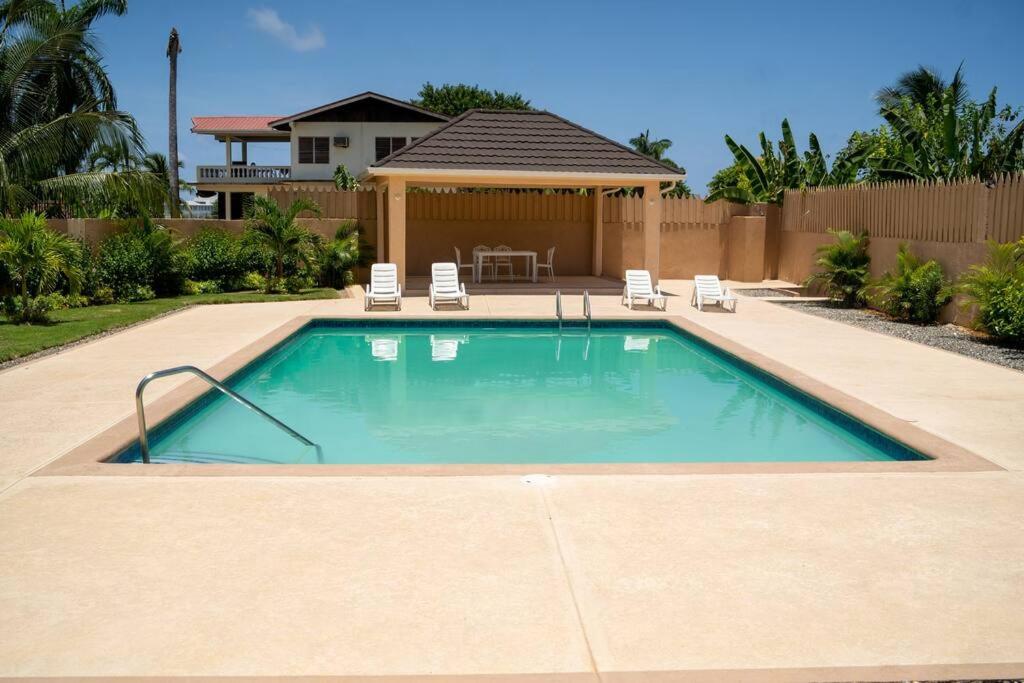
[
  {"x": 385, "y": 146},
  {"x": 314, "y": 150}
]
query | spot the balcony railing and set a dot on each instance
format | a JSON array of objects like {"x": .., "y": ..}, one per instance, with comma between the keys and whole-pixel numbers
[{"x": 242, "y": 174}]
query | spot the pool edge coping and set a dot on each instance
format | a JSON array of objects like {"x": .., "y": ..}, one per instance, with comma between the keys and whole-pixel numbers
[{"x": 90, "y": 457}]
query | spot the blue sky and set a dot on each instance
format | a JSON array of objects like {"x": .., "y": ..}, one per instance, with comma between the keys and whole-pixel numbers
[{"x": 690, "y": 72}]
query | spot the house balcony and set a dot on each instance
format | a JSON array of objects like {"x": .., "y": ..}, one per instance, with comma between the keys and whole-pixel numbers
[{"x": 242, "y": 174}]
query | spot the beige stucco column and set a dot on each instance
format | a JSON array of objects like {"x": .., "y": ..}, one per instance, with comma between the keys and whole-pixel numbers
[
  {"x": 379, "y": 193},
  {"x": 227, "y": 152},
  {"x": 652, "y": 229},
  {"x": 598, "y": 231},
  {"x": 227, "y": 205},
  {"x": 396, "y": 225}
]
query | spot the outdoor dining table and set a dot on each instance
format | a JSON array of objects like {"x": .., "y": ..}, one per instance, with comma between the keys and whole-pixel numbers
[{"x": 479, "y": 256}]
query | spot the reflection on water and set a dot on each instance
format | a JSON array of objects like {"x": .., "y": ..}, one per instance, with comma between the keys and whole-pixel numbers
[
  {"x": 500, "y": 395},
  {"x": 632, "y": 343},
  {"x": 445, "y": 348},
  {"x": 383, "y": 348}
]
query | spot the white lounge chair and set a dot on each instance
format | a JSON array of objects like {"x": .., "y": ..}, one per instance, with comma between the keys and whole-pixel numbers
[
  {"x": 707, "y": 289},
  {"x": 638, "y": 288},
  {"x": 445, "y": 286},
  {"x": 384, "y": 287}
]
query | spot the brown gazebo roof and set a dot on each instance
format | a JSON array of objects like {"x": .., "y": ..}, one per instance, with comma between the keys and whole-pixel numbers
[{"x": 520, "y": 141}]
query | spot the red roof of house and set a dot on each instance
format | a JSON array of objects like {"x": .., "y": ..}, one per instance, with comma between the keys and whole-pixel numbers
[{"x": 216, "y": 124}]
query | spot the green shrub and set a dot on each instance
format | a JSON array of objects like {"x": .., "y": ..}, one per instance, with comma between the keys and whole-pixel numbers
[
  {"x": 996, "y": 289},
  {"x": 912, "y": 291},
  {"x": 193, "y": 287},
  {"x": 844, "y": 268},
  {"x": 252, "y": 280},
  {"x": 141, "y": 257},
  {"x": 124, "y": 264},
  {"x": 293, "y": 284},
  {"x": 214, "y": 254},
  {"x": 102, "y": 295},
  {"x": 16, "y": 310}
]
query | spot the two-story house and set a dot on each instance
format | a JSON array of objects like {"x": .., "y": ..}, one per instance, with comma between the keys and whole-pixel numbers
[{"x": 355, "y": 132}]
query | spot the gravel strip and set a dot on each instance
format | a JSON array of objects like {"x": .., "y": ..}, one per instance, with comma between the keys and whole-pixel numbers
[{"x": 947, "y": 337}]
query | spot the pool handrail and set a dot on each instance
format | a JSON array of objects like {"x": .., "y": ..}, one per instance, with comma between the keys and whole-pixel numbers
[
  {"x": 244, "y": 402},
  {"x": 586, "y": 307},
  {"x": 558, "y": 308}
]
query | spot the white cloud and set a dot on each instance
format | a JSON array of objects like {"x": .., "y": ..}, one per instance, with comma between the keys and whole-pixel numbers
[{"x": 268, "y": 21}]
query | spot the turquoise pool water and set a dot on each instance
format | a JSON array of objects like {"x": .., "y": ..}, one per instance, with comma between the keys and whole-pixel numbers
[{"x": 420, "y": 393}]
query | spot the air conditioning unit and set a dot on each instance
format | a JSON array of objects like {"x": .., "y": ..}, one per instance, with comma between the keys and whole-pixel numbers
[{"x": 341, "y": 141}]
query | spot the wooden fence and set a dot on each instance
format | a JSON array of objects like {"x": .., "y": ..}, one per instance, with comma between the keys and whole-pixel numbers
[{"x": 961, "y": 211}]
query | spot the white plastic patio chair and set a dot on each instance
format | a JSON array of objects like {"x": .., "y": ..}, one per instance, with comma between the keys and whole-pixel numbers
[
  {"x": 460, "y": 264},
  {"x": 707, "y": 289},
  {"x": 445, "y": 286},
  {"x": 550, "y": 265},
  {"x": 383, "y": 287},
  {"x": 638, "y": 288},
  {"x": 503, "y": 262},
  {"x": 486, "y": 263}
]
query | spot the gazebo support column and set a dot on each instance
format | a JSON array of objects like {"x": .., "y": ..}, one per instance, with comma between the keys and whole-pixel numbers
[
  {"x": 396, "y": 225},
  {"x": 652, "y": 229},
  {"x": 598, "y": 231}
]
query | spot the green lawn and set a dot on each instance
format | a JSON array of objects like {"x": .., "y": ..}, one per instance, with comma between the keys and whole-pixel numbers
[{"x": 75, "y": 323}]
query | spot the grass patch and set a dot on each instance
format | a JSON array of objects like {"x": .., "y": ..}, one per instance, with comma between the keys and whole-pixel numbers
[{"x": 72, "y": 324}]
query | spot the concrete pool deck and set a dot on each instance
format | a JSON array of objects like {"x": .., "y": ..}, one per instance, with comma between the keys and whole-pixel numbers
[{"x": 612, "y": 577}]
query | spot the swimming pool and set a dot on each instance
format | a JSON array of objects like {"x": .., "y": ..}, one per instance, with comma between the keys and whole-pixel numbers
[{"x": 439, "y": 392}]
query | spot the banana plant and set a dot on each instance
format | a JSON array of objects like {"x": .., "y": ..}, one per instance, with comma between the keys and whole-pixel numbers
[
  {"x": 952, "y": 140},
  {"x": 772, "y": 173}
]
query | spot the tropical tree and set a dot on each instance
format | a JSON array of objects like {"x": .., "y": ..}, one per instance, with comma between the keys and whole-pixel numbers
[
  {"x": 32, "y": 253},
  {"x": 452, "y": 99},
  {"x": 766, "y": 177},
  {"x": 343, "y": 178},
  {"x": 59, "y": 105},
  {"x": 275, "y": 229},
  {"x": 923, "y": 87},
  {"x": 655, "y": 149},
  {"x": 948, "y": 138},
  {"x": 173, "y": 49},
  {"x": 339, "y": 256}
]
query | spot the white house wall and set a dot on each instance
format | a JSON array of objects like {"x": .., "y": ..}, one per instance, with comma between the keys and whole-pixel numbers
[{"x": 361, "y": 150}]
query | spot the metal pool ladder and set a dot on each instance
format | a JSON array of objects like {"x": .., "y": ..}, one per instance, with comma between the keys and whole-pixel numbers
[
  {"x": 586, "y": 307},
  {"x": 141, "y": 412},
  {"x": 558, "y": 308}
]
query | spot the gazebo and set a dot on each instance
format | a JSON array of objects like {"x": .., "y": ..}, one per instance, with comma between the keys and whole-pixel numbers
[{"x": 516, "y": 149}]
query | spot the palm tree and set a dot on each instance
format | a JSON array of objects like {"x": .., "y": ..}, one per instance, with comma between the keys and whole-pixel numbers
[
  {"x": 275, "y": 229},
  {"x": 923, "y": 87},
  {"x": 33, "y": 252},
  {"x": 173, "y": 49},
  {"x": 58, "y": 106},
  {"x": 346, "y": 251},
  {"x": 844, "y": 268},
  {"x": 655, "y": 149}
]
